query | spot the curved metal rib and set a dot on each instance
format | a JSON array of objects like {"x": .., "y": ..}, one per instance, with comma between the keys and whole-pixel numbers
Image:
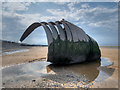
[
  {"x": 55, "y": 33},
  {"x": 85, "y": 35},
  {"x": 33, "y": 26},
  {"x": 48, "y": 32},
  {"x": 72, "y": 29},
  {"x": 62, "y": 33},
  {"x": 81, "y": 35},
  {"x": 29, "y": 30},
  {"x": 68, "y": 32}
]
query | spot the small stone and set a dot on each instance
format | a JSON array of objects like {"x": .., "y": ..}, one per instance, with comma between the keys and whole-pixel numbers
[
  {"x": 33, "y": 80},
  {"x": 84, "y": 80},
  {"x": 72, "y": 76},
  {"x": 89, "y": 81},
  {"x": 29, "y": 61},
  {"x": 71, "y": 85},
  {"x": 43, "y": 79},
  {"x": 68, "y": 75},
  {"x": 78, "y": 80}
]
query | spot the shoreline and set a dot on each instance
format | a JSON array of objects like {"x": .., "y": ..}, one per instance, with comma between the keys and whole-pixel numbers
[
  {"x": 56, "y": 77},
  {"x": 34, "y": 54}
]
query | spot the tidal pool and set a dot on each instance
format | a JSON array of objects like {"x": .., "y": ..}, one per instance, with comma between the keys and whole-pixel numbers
[{"x": 86, "y": 72}]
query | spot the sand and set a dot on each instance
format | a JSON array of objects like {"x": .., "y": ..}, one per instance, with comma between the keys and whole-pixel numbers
[
  {"x": 34, "y": 54},
  {"x": 59, "y": 78},
  {"x": 40, "y": 53},
  {"x": 111, "y": 53}
]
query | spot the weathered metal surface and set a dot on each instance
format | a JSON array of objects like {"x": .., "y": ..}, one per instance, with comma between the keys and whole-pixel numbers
[
  {"x": 48, "y": 32},
  {"x": 55, "y": 33},
  {"x": 67, "y": 45},
  {"x": 67, "y": 30},
  {"x": 29, "y": 30},
  {"x": 62, "y": 33},
  {"x": 33, "y": 26},
  {"x": 73, "y": 31}
]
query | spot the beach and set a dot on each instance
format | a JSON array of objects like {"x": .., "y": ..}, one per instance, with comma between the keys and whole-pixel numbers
[
  {"x": 33, "y": 54},
  {"x": 30, "y": 70}
]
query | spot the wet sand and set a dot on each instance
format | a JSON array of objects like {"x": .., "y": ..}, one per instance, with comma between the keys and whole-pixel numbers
[
  {"x": 85, "y": 75},
  {"x": 112, "y": 54},
  {"x": 33, "y": 54}
]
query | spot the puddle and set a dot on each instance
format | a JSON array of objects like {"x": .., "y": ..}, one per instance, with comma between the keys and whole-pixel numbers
[
  {"x": 16, "y": 51},
  {"x": 25, "y": 71},
  {"x": 106, "y": 62},
  {"x": 87, "y": 72}
]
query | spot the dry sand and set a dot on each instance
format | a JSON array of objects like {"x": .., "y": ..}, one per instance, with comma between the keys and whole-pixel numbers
[
  {"x": 111, "y": 53},
  {"x": 64, "y": 79}
]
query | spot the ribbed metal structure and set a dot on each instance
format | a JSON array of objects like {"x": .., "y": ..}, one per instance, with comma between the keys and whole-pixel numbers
[{"x": 67, "y": 43}]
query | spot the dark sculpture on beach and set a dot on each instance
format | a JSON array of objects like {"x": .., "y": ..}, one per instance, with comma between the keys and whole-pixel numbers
[{"x": 67, "y": 45}]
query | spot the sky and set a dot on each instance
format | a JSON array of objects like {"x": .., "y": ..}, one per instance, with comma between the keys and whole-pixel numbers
[{"x": 98, "y": 19}]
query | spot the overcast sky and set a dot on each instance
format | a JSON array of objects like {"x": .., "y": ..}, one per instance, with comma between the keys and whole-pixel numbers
[{"x": 97, "y": 19}]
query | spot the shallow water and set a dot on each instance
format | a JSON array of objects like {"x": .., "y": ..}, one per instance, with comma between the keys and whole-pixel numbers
[
  {"x": 88, "y": 71},
  {"x": 16, "y": 51}
]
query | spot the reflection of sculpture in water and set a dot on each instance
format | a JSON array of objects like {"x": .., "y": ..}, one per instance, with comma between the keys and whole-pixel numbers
[
  {"x": 68, "y": 44},
  {"x": 88, "y": 69}
]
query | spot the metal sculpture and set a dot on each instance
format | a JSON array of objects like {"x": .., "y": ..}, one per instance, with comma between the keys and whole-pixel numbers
[{"x": 66, "y": 45}]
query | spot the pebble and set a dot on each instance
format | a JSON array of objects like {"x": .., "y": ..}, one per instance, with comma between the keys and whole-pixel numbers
[
  {"x": 78, "y": 80},
  {"x": 98, "y": 86},
  {"x": 3, "y": 83},
  {"x": 72, "y": 76},
  {"x": 68, "y": 75},
  {"x": 71, "y": 85},
  {"x": 33, "y": 80}
]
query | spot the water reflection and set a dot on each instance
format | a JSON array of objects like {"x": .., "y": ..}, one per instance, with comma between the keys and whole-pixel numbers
[
  {"x": 24, "y": 72},
  {"x": 87, "y": 72}
]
